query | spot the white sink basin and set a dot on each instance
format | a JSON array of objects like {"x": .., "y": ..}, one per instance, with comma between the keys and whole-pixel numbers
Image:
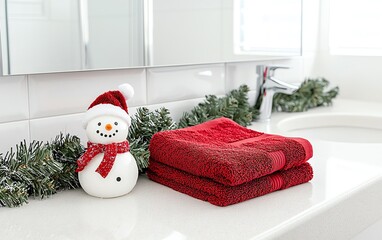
[{"x": 335, "y": 127}]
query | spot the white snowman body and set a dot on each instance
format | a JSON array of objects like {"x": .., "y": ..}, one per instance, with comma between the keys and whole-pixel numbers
[{"x": 123, "y": 175}]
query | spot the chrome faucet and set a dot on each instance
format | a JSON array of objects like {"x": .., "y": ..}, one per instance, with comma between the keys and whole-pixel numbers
[{"x": 269, "y": 85}]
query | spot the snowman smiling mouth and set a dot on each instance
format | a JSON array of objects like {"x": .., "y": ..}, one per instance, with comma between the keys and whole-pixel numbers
[{"x": 108, "y": 127}]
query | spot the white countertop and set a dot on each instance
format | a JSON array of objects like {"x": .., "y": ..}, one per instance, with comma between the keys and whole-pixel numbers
[{"x": 340, "y": 201}]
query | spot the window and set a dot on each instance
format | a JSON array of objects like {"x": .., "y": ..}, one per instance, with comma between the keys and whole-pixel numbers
[{"x": 271, "y": 27}]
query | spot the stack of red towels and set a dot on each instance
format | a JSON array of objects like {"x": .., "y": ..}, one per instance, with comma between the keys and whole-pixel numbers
[{"x": 224, "y": 163}]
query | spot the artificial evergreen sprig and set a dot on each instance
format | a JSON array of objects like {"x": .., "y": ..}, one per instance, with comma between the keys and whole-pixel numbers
[
  {"x": 234, "y": 106},
  {"x": 144, "y": 124},
  {"x": 12, "y": 194},
  {"x": 244, "y": 114},
  {"x": 38, "y": 169},
  {"x": 312, "y": 93},
  {"x": 66, "y": 149}
]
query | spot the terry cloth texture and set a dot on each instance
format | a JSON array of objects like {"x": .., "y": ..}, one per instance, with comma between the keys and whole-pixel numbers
[
  {"x": 223, "y": 195},
  {"x": 227, "y": 153}
]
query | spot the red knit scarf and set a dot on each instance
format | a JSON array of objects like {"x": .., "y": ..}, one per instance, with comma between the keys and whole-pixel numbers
[{"x": 110, "y": 152}]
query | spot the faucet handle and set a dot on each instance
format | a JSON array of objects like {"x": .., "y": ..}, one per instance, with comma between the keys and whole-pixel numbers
[{"x": 272, "y": 69}]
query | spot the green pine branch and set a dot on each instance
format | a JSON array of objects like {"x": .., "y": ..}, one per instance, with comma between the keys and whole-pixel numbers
[
  {"x": 243, "y": 114},
  {"x": 144, "y": 124},
  {"x": 12, "y": 193},
  {"x": 66, "y": 150},
  {"x": 234, "y": 106},
  {"x": 312, "y": 93},
  {"x": 38, "y": 170}
]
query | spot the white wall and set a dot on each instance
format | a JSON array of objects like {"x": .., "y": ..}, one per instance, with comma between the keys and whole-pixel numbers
[{"x": 358, "y": 77}]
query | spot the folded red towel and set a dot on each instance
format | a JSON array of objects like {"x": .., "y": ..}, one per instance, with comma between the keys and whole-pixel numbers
[
  {"x": 226, "y": 152},
  {"x": 222, "y": 195}
]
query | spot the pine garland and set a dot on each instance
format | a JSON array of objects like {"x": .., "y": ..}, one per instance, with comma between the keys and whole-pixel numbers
[
  {"x": 41, "y": 169},
  {"x": 38, "y": 170},
  {"x": 66, "y": 150},
  {"x": 311, "y": 94}
]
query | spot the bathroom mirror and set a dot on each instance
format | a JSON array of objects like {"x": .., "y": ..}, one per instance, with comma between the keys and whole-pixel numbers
[{"x": 41, "y": 36}]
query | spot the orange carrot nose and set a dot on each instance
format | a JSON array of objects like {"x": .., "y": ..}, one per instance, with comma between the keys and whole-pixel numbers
[{"x": 108, "y": 127}]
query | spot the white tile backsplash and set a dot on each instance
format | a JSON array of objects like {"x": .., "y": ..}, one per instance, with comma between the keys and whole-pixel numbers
[
  {"x": 68, "y": 93},
  {"x": 252, "y": 97},
  {"x": 13, "y": 133},
  {"x": 169, "y": 84},
  {"x": 177, "y": 108},
  {"x": 241, "y": 73},
  {"x": 54, "y": 103},
  {"x": 13, "y": 98},
  {"x": 295, "y": 73},
  {"x": 46, "y": 129}
]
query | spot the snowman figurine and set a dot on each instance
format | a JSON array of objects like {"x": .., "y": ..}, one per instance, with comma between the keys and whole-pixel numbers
[{"x": 107, "y": 169}]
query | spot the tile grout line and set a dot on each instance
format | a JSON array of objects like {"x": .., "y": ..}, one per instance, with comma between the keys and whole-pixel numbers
[
  {"x": 29, "y": 109},
  {"x": 146, "y": 86},
  {"x": 225, "y": 78}
]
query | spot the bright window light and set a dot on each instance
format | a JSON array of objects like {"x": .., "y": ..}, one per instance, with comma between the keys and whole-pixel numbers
[
  {"x": 355, "y": 27},
  {"x": 267, "y": 27}
]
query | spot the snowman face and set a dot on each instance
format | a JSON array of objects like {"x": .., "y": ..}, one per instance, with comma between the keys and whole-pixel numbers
[{"x": 107, "y": 129}]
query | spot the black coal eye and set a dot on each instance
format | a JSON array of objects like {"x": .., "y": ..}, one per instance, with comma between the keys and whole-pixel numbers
[
  {"x": 99, "y": 124},
  {"x": 116, "y": 123}
]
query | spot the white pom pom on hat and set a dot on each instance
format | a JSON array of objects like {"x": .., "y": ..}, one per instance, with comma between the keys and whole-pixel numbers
[
  {"x": 127, "y": 90},
  {"x": 111, "y": 103}
]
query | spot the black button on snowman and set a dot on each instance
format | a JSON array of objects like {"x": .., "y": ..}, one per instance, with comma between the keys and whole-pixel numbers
[{"x": 107, "y": 169}]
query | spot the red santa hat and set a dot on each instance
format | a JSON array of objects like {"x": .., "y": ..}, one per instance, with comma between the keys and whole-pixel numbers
[{"x": 111, "y": 103}]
